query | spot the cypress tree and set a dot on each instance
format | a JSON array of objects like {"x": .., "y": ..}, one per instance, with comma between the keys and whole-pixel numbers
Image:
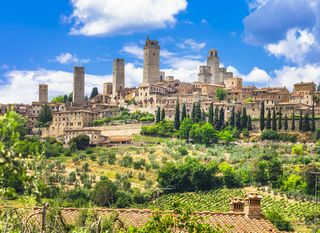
[
  {"x": 313, "y": 123},
  {"x": 221, "y": 119},
  {"x": 249, "y": 126},
  {"x": 262, "y": 123},
  {"x": 193, "y": 113},
  {"x": 238, "y": 120},
  {"x": 158, "y": 118},
  {"x": 163, "y": 115},
  {"x": 285, "y": 122},
  {"x": 184, "y": 112},
  {"x": 306, "y": 123},
  {"x": 244, "y": 119},
  {"x": 268, "y": 124},
  {"x": 293, "y": 123},
  {"x": 210, "y": 118},
  {"x": 232, "y": 118},
  {"x": 274, "y": 120},
  {"x": 177, "y": 116},
  {"x": 204, "y": 116},
  {"x": 198, "y": 113},
  {"x": 280, "y": 120},
  {"x": 188, "y": 115},
  {"x": 216, "y": 116},
  {"x": 300, "y": 121}
]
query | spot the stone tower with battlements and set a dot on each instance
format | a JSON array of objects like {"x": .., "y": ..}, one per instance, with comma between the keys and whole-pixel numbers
[
  {"x": 78, "y": 85},
  {"x": 118, "y": 76},
  {"x": 151, "y": 68},
  {"x": 43, "y": 93},
  {"x": 214, "y": 62}
]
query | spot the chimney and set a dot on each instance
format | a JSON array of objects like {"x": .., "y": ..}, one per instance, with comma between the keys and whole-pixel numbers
[
  {"x": 237, "y": 205},
  {"x": 252, "y": 207}
]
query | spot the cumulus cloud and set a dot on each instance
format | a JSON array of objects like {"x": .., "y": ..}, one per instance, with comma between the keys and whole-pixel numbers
[
  {"x": 68, "y": 58},
  {"x": 191, "y": 44},
  {"x": 134, "y": 50},
  {"x": 109, "y": 17},
  {"x": 295, "y": 47}
]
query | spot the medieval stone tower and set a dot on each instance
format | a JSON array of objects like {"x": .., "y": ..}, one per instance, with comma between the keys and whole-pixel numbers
[
  {"x": 205, "y": 75},
  {"x": 151, "y": 68},
  {"x": 118, "y": 76},
  {"x": 43, "y": 93},
  {"x": 78, "y": 85},
  {"x": 214, "y": 62}
]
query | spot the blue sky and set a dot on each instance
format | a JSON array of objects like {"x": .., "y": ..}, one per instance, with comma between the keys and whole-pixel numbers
[{"x": 267, "y": 42}]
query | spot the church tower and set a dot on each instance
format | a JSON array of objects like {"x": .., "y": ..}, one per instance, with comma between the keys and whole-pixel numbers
[
  {"x": 214, "y": 62},
  {"x": 151, "y": 68},
  {"x": 118, "y": 76}
]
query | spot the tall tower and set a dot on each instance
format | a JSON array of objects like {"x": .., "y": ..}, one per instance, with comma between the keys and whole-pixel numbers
[
  {"x": 214, "y": 62},
  {"x": 118, "y": 76},
  {"x": 205, "y": 75},
  {"x": 151, "y": 68},
  {"x": 43, "y": 93},
  {"x": 78, "y": 85}
]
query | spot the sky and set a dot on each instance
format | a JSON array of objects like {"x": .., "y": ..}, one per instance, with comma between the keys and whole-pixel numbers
[{"x": 266, "y": 42}]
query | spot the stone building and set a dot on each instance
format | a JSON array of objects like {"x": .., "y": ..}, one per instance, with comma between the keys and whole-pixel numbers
[
  {"x": 118, "y": 77},
  {"x": 107, "y": 88},
  {"x": 78, "y": 86},
  {"x": 151, "y": 68},
  {"x": 43, "y": 93}
]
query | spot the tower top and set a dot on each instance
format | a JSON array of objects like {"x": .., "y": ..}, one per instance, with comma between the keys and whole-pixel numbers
[
  {"x": 213, "y": 53},
  {"x": 152, "y": 43}
]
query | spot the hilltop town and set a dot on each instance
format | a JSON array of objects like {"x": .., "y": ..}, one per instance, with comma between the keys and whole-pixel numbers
[{"x": 76, "y": 114}]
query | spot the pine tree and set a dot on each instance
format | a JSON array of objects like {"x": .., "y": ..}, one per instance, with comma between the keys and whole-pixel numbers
[
  {"x": 193, "y": 113},
  {"x": 300, "y": 121},
  {"x": 232, "y": 118},
  {"x": 274, "y": 120},
  {"x": 184, "y": 112},
  {"x": 163, "y": 115},
  {"x": 280, "y": 120},
  {"x": 313, "y": 123},
  {"x": 65, "y": 98},
  {"x": 238, "y": 120},
  {"x": 268, "y": 124},
  {"x": 285, "y": 122},
  {"x": 94, "y": 92},
  {"x": 177, "y": 116},
  {"x": 306, "y": 123},
  {"x": 211, "y": 114},
  {"x": 244, "y": 119},
  {"x": 262, "y": 123},
  {"x": 293, "y": 122},
  {"x": 249, "y": 126},
  {"x": 158, "y": 117}
]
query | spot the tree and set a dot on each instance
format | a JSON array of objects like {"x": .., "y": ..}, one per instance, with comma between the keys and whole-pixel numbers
[
  {"x": 211, "y": 114},
  {"x": 45, "y": 116},
  {"x": 220, "y": 124},
  {"x": 80, "y": 142},
  {"x": 249, "y": 126},
  {"x": 310, "y": 177},
  {"x": 94, "y": 92},
  {"x": 220, "y": 94},
  {"x": 232, "y": 118},
  {"x": 58, "y": 99},
  {"x": 158, "y": 117},
  {"x": 177, "y": 116},
  {"x": 203, "y": 134},
  {"x": 280, "y": 120},
  {"x": 293, "y": 124},
  {"x": 193, "y": 114},
  {"x": 274, "y": 120},
  {"x": 184, "y": 112},
  {"x": 300, "y": 121},
  {"x": 198, "y": 112},
  {"x": 204, "y": 116},
  {"x": 262, "y": 123},
  {"x": 306, "y": 123},
  {"x": 185, "y": 128},
  {"x": 70, "y": 99},
  {"x": 313, "y": 123},
  {"x": 238, "y": 120},
  {"x": 104, "y": 193},
  {"x": 163, "y": 115},
  {"x": 216, "y": 116},
  {"x": 285, "y": 122},
  {"x": 244, "y": 119},
  {"x": 268, "y": 124},
  {"x": 65, "y": 98}
]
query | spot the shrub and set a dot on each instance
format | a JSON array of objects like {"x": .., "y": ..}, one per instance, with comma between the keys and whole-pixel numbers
[
  {"x": 93, "y": 157},
  {"x": 124, "y": 200},
  {"x": 112, "y": 158},
  {"x": 297, "y": 149},
  {"x": 269, "y": 135},
  {"x": 126, "y": 161},
  {"x": 72, "y": 177},
  {"x": 279, "y": 221},
  {"x": 67, "y": 153},
  {"x": 104, "y": 193},
  {"x": 80, "y": 142},
  {"x": 161, "y": 129},
  {"x": 183, "y": 150},
  {"x": 139, "y": 164}
]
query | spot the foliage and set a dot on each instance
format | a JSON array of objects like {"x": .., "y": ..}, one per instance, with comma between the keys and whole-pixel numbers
[
  {"x": 45, "y": 116},
  {"x": 79, "y": 142},
  {"x": 297, "y": 149},
  {"x": 203, "y": 133},
  {"x": 185, "y": 128},
  {"x": 262, "y": 122},
  {"x": 104, "y": 193},
  {"x": 94, "y": 92},
  {"x": 162, "y": 129},
  {"x": 279, "y": 221},
  {"x": 220, "y": 94},
  {"x": 177, "y": 116}
]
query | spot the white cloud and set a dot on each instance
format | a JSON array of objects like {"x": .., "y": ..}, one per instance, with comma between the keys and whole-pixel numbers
[
  {"x": 68, "y": 58},
  {"x": 109, "y": 17},
  {"x": 133, "y": 50},
  {"x": 191, "y": 44},
  {"x": 257, "y": 76},
  {"x": 257, "y": 4},
  {"x": 295, "y": 47}
]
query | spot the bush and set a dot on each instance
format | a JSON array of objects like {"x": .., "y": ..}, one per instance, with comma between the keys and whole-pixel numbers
[
  {"x": 112, "y": 158},
  {"x": 183, "y": 150},
  {"x": 124, "y": 200},
  {"x": 139, "y": 164},
  {"x": 297, "y": 149},
  {"x": 279, "y": 221},
  {"x": 104, "y": 193},
  {"x": 161, "y": 129},
  {"x": 126, "y": 161},
  {"x": 269, "y": 135}
]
